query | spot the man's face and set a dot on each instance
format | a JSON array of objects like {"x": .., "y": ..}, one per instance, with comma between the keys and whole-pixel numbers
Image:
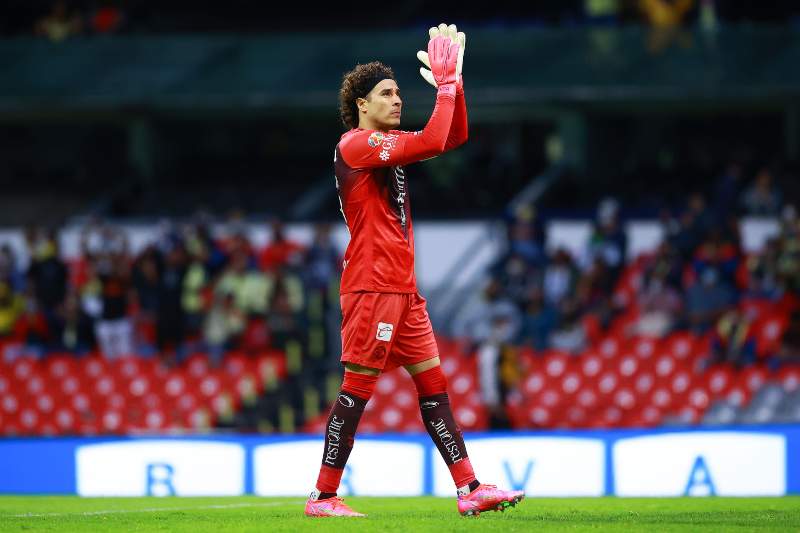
[{"x": 382, "y": 105}]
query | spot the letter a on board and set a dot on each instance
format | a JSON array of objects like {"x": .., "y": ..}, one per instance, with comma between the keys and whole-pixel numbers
[{"x": 700, "y": 482}]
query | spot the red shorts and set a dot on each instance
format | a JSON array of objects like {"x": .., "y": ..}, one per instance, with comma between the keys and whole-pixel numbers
[{"x": 386, "y": 330}]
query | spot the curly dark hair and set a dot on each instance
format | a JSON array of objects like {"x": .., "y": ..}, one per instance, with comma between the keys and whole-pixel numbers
[{"x": 357, "y": 84}]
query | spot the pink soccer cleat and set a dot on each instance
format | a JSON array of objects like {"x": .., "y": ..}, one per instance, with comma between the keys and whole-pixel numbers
[
  {"x": 329, "y": 507},
  {"x": 488, "y": 498}
]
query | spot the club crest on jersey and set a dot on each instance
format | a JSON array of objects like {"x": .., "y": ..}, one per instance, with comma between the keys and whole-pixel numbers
[
  {"x": 384, "y": 332},
  {"x": 375, "y": 139}
]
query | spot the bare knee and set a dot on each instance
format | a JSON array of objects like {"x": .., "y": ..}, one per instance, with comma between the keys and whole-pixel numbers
[
  {"x": 422, "y": 366},
  {"x": 358, "y": 369}
]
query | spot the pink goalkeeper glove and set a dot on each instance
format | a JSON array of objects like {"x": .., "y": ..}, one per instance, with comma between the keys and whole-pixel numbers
[{"x": 443, "y": 57}]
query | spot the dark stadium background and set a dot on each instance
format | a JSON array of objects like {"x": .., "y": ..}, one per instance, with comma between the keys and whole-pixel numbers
[{"x": 154, "y": 154}]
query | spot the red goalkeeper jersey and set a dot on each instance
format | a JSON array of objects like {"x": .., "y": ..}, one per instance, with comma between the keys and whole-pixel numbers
[{"x": 375, "y": 200}]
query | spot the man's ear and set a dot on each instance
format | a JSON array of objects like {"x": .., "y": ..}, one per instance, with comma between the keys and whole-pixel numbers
[{"x": 361, "y": 103}]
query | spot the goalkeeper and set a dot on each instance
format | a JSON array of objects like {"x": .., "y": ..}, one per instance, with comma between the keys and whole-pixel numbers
[{"x": 384, "y": 319}]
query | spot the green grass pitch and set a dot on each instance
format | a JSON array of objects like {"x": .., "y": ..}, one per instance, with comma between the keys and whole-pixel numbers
[{"x": 46, "y": 513}]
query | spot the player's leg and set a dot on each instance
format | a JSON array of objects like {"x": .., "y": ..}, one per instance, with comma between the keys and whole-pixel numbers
[
  {"x": 340, "y": 430},
  {"x": 365, "y": 345},
  {"x": 434, "y": 406},
  {"x": 416, "y": 346}
]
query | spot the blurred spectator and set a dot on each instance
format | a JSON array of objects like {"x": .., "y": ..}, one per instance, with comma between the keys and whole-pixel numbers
[
  {"x": 718, "y": 254},
  {"x": 194, "y": 283},
  {"x": 789, "y": 352},
  {"x": 77, "y": 331},
  {"x": 9, "y": 271},
  {"x": 560, "y": 278},
  {"x": 660, "y": 305},
  {"x": 733, "y": 341},
  {"x": 788, "y": 266},
  {"x": 170, "y": 319},
  {"x": 608, "y": 241},
  {"x": 665, "y": 14},
  {"x": 47, "y": 276},
  {"x": 594, "y": 290},
  {"x": 12, "y": 306},
  {"x": 570, "y": 335},
  {"x": 762, "y": 198},
  {"x": 114, "y": 329},
  {"x": 59, "y": 23},
  {"x": 538, "y": 321},
  {"x": 602, "y": 12},
  {"x": 706, "y": 300},
  {"x": 223, "y": 325},
  {"x": 106, "y": 18},
  {"x": 688, "y": 232},
  {"x": 279, "y": 250}
]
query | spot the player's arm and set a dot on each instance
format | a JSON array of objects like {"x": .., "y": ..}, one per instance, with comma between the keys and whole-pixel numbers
[
  {"x": 378, "y": 149},
  {"x": 458, "y": 127},
  {"x": 369, "y": 149}
]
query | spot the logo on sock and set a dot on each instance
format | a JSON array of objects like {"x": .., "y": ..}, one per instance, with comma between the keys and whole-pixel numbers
[
  {"x": 428, "y": 405},
  {"x": 345, "y": 400},
  {"x": 448, "y": 441},
  {"x": 384, "y": 332},
  {"x": 334, "y": 438}
]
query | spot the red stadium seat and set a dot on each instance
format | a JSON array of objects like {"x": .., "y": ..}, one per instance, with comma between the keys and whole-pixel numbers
[
  {"x": 661, "y": 398},
  {"x": 587, "y": 398},
  {"x": 627, "y": 367},
  {"x": 35, "y": 385},
  {"x": 753, "y": 378},
  {"x": 607, "y": 383},
  {"x": 718, "y": 379},
  {"x": 94, "y": 366},
  {"x": 45, "y": 403},
  {"x": 197, "y": 365},
  {"x": 699, "y": 398},
  {"x": 571, "y": 383},
  {"x": 681, "y": 345},
  {"x": 644, "y": 383},
  {"x": 645, "y": 348},
  {"x": 66, "y": 420},
  {"x": 625, "y": 399},
  {"x": 60, "y": 366},
  {"x": 789, "y": 377},
  {"x": 9, "y": 404},
  {"x": 534, "y": 383},
  {"x": 28, "y": 420},
  {"x": 609, "y": 347},
  {"x": 591, "y": 365},
  {"x": 539, "y": 417},
  {"x": 769, "y": 332},
  {"x": 555, "y": 364},
  {"x": 665, "y": 366}
]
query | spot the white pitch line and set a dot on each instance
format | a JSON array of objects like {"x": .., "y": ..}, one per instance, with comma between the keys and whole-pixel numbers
[{"x": 154, "y": 509}]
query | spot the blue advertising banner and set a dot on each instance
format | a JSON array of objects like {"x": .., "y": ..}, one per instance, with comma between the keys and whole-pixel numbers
[{"x": 736, "y": 461}]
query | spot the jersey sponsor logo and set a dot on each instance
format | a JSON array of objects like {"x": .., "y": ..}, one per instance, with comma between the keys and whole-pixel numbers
[
  {"x": 346, "y": 400},
  {"x": 375, "y": 139},
  {"x": 384, "y": 332}
]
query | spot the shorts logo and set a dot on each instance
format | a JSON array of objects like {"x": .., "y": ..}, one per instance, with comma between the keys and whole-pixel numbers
[
  {"x": 345, "y": 400},
  {"x": 379, "y": 352},
  {"x": 384, "y": 332},
  {"x": 375, "y": 139},
  {"x": 429, "y": 405}
]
